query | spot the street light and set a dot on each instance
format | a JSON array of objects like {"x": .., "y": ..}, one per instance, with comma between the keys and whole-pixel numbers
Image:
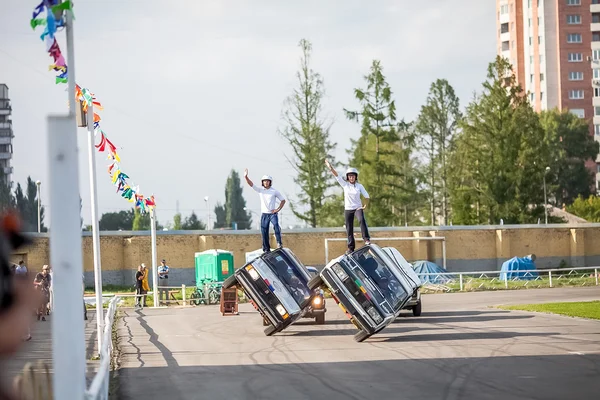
[
  {"x": 545, "y": 197},
  {"x": 257, "y": 219},
  {"x": 38, "y": 184},
  {"x": 207, "y": 213}
]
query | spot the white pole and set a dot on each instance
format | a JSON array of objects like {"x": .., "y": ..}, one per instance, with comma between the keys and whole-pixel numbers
[
  {"x": 154, "y": 266},
  {"x": 68, "y": 336},
  {"x": 39, "y": 210},
  {"x": 68, "y": 345},
  {"x": 444, "y": 254},
  {"x": 95, "y": 228}
]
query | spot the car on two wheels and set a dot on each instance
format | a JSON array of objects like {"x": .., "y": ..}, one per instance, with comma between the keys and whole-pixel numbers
[
  {"x": 277, "y": 284},
  {"x": 371, "y": 285}
]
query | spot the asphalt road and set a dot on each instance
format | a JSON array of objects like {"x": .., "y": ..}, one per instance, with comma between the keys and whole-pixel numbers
[{"x": 460, "y": 348}]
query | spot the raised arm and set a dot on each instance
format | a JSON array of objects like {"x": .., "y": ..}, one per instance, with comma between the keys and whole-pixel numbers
[
  {"x": 333, "y": 171},
  {"x": 248, "y": 181}
]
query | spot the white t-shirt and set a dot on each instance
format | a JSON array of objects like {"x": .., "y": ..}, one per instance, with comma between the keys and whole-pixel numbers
[
  {"x": 268, "y": 198},
  {"x": 352, "y": 193}
]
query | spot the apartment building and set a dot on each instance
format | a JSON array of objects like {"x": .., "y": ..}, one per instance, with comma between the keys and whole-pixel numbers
[
  {"x": 554, "y": 47},
  {"x": 6, "y": 134}
]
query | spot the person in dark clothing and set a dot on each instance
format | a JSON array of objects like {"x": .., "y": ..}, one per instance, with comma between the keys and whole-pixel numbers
[
  {"x": 42, "y": 283},
  {"x": 139, "y": 290}
]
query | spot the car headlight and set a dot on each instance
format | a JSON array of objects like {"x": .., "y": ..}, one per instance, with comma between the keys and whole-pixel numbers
[
  {"x": 339, "y": 271},
  {"x": 317, "y": 301},
  {"x": 253, "y": 274},
  {"x": 281, "y": 310},
  {"x": 374, "y": 314}
]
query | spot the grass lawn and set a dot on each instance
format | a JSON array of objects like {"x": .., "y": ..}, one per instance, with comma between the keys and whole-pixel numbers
[{"x": 584, "y": 309}]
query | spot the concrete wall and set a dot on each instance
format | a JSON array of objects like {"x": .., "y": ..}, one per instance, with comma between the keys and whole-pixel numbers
[{"x": 467, "y": 248}]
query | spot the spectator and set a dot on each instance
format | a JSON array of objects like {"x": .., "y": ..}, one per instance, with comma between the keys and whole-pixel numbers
[
  {"x": 42, "y": 283},
  {"x": 163, "y": 279},
  {"x": 22, "y": 270},
  {"x": 145, "y": 286},
  {"x": 139, "y": 277}
]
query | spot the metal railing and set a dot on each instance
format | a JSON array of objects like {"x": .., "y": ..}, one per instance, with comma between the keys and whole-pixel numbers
[
  {"x": 98, "y": 389},
  {"x": 499, "y": 280}
]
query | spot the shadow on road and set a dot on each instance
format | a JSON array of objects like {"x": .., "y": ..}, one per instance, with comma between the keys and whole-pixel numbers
[{"x": 501, "y": 378}]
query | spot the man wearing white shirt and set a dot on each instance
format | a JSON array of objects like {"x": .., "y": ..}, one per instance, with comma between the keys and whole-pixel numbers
[
  {"x": 352, "y": 204},
  {"x": 269, "y": 209}
]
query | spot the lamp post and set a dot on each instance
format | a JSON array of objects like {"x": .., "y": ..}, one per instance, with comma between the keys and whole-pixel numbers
[
  {"x": 545, "y": 197},
  {"x": 38, "y": 184},
  {"x": 257, "y": 219},
  {"x": 207, "y": 213}
]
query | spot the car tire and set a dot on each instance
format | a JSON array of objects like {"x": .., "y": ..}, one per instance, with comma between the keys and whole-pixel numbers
[
  {"x": 270, "y": 330},
  {"x": 230, "y": 282},
  {"x": 417, "y": 309},
  {"x": 361, "y": 336},
  {"x": 320, "y": 319},
  {"x": 315, "y": 282}
]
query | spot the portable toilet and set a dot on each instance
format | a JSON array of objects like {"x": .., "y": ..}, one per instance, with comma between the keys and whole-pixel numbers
[
  {"x": 213, "y": 265},
  {"x": 253, "y": 254}
]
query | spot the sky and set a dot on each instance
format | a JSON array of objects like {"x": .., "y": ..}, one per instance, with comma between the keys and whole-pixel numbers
[{"x": 192, "y": 89}]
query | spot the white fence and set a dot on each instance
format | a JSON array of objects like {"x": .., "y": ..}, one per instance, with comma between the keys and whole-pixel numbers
[
  {"x": 98, "y": 390},
  {"x": 498, "y": 280},
  {"x": 385, "y": 239}
]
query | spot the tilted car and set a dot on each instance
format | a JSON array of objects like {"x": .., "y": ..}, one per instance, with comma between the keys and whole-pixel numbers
[
  {"x": 317, "y": 308},
  {"x": 369, "y": 286},
  {"x": 277, "y": 284}
]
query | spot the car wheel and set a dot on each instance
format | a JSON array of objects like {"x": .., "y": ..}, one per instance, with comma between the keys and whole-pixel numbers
[
  {"x": 230, "y": 282},
  {"x": 417, "y": 309},
  {"x": 270, "y": 330},
  {"x": 361, "y": 336},
  {"x": 320, "y": 319},
  {"x": 315, "y": 282}
]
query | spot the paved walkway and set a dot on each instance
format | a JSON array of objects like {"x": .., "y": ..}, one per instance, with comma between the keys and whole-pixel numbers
[
  {"x": 458, "y": 349},
  {"x": 40, "y": 347}
]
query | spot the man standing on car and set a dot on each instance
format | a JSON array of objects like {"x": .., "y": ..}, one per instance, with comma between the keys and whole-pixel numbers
[
  {"x": 268, "y": 198},
  {"x": 352, "y": 204}
]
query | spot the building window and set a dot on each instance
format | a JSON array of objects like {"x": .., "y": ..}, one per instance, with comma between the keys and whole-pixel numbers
[
  {"x": 575, "y": 57},
  {"x": 504, "y": 9},
  {"x": 595, "y": 36},
  {"x": 541, "y": 77},
  {"x": 596, "y": 73},
  {"x": 530, "y": 40},
  {"x": 596, "y": 111},
  {"x": 596, "y": 92},
  {"x": 580, "y": 112},
  {"x": 505, "y": 46},
  {"x": 541, "y": 96},
  {"x": 573, "y": 2},
  {"x": 574, "y": 38},
  {"x": 530, "y": 59},
  {"x": 597, "y": 130},
  {"x": 596, "y": 55},
  {"x": 575, "y": 76},
  {"x": 574, "y": 19},
  {"x": 541, "y": 58},
  {"x": 504, "y": 28},
  {"x": 595, "y": 17},
  {"x": 575, "y": 94}
]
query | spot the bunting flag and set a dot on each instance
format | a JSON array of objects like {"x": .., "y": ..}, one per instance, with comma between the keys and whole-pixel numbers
[{"x": 121, "y": 180}]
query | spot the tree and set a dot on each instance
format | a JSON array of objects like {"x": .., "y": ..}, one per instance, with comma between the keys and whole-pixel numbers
[
  {"x": 177, "y": 222},
  {"x": 308, "y": 135},
  {"x": 235, "y": 203},
  {"x": 27, "y": 206},
  {"x": 114, "y": 221},
  {"x": 221, "y": 221},
  {"x": 141, "y": 222},
  {"x": 586, "y": 208},
  {"x": 435, "y": 128},
  {"x": 498, "y": 166},
  {"x": 382, "y": 153},
  {"x": 192, "y": 223},
  {"x": 570, "y": 146}
]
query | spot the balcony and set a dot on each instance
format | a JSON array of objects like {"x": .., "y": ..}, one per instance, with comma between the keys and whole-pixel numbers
[
  {"x": 5, "y": 156},
  {"x": 5, "y": 140},
  {"x": 5, "y": 125},
  {"x": 595, "y": 8},
  {"x": 5, "y": 111},
  {"x": 8, "y": 170},
  {"x": 595, "y": 27}
]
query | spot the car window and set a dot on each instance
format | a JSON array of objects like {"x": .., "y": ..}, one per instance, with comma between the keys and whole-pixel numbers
[{"x": 289, "y": 275}]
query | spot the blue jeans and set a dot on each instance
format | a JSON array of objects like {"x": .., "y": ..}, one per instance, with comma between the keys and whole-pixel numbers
[{"x": 265, "y": 220}]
